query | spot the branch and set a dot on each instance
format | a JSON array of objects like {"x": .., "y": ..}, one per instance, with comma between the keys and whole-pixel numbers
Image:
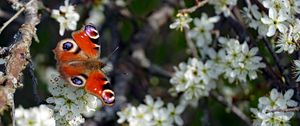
[
  {"x": 206, "y": 116},
  {"x": 14, "y": 17},
  {"x": 191, "y": 44},
  {"x": 16, "y": 61},
  {"x": 139, "y": 40},
  {"x": 277, "y": 62},
  {"x": 193, "y": 8},
  {"x": 296, "y": 109},
  {"x": 232, "y": 108}
]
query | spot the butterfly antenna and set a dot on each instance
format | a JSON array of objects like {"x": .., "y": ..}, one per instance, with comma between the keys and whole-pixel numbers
[{"x": 110, "y": 55}]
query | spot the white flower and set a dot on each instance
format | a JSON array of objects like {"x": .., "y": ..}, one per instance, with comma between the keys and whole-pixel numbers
[
  {"x": 266, "y": 113},
  {"x": 195, "y": 79},
  {"x": 153, "y": 113},
  {"x": 238, "y": 61},
  {"x": 182, "y": 21},
  {"x": 201, "y": 33},
  {"x": 223, "y": 6},
  {"x": 286, "y": 42},
  {"x": 275, "y": 21},
  {"x": 151, "y": 104},
  {"x": 297, "y": 70},
  {"x": 161, "y": 117},
  {"x": 66, "y": 16},
  {"x": 36, "y": 116},
  {"x": 175, "y": 113},
  {"x": 278, "y": 4},
  {"x": 252, "y": 16},
  {"x": 140, "y": 115},
  {"x": 294, "y": 6},
  {"x": 96, "y": 15},
  {"x": 124, "y": 114},
  {"x": 69, "y": 103}
]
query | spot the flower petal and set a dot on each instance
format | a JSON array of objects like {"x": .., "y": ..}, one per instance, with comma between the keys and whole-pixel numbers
[{"x": 271, "y": 31}]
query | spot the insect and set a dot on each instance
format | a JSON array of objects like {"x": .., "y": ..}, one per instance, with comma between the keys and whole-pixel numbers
[{"x": 78, "y": 63}]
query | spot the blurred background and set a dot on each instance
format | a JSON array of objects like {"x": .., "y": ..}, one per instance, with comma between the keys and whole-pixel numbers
[{"x": 144, "y": 62}]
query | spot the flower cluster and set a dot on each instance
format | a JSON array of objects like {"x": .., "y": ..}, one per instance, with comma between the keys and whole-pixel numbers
[
  {"x": 182, "y": 21},
  {"x": 237, "y": 61},
  {"x": 201, "y": 33},
  {"x": 36, "y": 116},
  {"x": 269, "y": 109},
  {"x": 152, "y": 113},
  {"x": 234, "y": 61},
  {"x": 66, "y": 16},
  {"x": 194, "y": 78},
  {"x": 252, "y": 18},
  {"x": 281, "y": 17},
  {"x": 223, "y": 6},
  {"x": 69, "y": 103}
]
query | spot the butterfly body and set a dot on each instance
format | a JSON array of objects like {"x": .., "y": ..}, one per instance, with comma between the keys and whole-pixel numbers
[{"x": 78, "y": 63}]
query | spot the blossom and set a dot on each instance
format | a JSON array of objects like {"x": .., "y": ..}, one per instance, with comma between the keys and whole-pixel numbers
[
  {"x": 297, "y": 70},
  {"x": 275, "y": 21},
  {"x": 286, "y": 42},
  {"x": 182, "y": 21},
  {"x": 96, "y": 15},
  {"x": 36, "y": 116},
  {"x": 69, "y": 103},
  {"x": 201, "y": 33},
  {"x": 252, "y": 16},
  {"x": 174, "y": 112},
  {"x": 153, "y": 113},
  {"x": 238, "y": 61},
  {"x": 66, "y": 16},
  {"x": 223, "y": 6},
  {"x": 194, "y": 79},
  {"x": 161, "y": 117},
  {"x": 266, "y": 113},
  {"x": 294, "y": 6},
  {"x": 278, "y": 4}
]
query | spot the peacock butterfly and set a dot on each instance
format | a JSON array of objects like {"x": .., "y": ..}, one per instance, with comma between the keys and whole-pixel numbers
[{"x": 78, "y": 63}]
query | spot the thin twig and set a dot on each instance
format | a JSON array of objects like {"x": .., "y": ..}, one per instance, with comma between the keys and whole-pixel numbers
[
  {"x": 232, "y": 108},
  {"x": 14, "y": 17},
  {"x": 193, "y": 8},
  {"x": 277, "y": 61},
  {"x": 206, "y": 117},
  {"x": 191, "y": 44},
  {"x": 35, "y": 83},
  {"x": 296, "y": 109}
]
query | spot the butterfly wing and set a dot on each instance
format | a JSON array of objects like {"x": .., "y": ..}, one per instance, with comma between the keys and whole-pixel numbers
[
  {"x": 87, "y": 40},
  {"x": 94, "y": 81},
  {"x": 67, "y": 50},
  {"x": 98, "y": 85}
]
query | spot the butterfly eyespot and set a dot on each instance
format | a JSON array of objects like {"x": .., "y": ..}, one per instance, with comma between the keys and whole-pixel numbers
[
  {"x": 108, "y": 96},
  {"x": 91, "y": 31},
  {"x": 67, "y": 46},
  {"x": 77, "y": 81}
]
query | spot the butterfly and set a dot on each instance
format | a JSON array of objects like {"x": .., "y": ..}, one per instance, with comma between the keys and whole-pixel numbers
[{"x": 78, "y": 63}]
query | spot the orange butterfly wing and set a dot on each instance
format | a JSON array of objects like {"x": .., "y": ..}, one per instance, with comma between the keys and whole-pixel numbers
[{"x": 78, "y": 64}]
